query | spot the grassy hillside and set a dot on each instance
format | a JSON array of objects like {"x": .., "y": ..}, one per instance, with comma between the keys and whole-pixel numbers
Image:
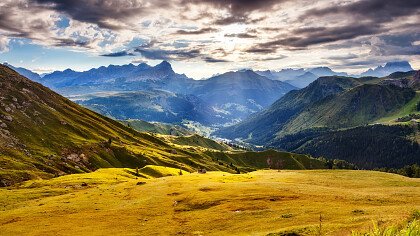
[
  {"x": 44, "y": 135},
  {"x": 372, "y": 146},
  {"x": 159, "y": 128},
  {"x": 410, "y": 107},
  {"x": 263, "y": 127},
  {"x": 270, "y": 203},
  {"x": 357, "y": 106},
  {"x": 151, "y": 105},
  {"x": 329, "y": 119},
  {"x": 195, "y": 140},
  {"x": 332, "y": 102}
]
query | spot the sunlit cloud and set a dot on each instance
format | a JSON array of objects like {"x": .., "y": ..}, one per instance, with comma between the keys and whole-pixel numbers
[{"x": 223, "y": 33}]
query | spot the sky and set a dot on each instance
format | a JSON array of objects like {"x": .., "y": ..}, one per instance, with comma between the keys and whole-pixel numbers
[{"x": 204, "y": 37}]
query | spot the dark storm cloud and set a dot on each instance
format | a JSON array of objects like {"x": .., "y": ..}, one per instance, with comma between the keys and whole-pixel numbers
[
  {"x": 392, "y": 45},
  {"x": 375, "y": 11},
  {"x": 16, "y": 27},
  {"x": 98, "y": 11},
  {"x": 67, "y": 42},
  {"x": 258, "y": 49},
  {"x": 305, "y": 37},
  {"x": 118, "y": 54},
  {"x": 345, "y": 57},
  {"x": 245, "y": 19},
  {"x": 197, "y": 32},
  {"x": 214, "y": 60},
  {"x": 365, "y": 17},
  {"x": 152, "y": 51}
]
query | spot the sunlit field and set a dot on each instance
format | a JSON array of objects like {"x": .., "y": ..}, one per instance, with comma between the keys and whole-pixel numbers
[{"x": 116, "y": 201}]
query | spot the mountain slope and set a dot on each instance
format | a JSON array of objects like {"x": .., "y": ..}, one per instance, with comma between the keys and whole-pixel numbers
[
  {"x": 156, "y": 127},
  {"x": 43, "y": 134},
  {"x": 263, "y": 126},
  {"x": 331, "y": 102},
  {"x": 371, "y": 146},
  {"x": 304, "y": 80},
  {"x": 357, "y": 106},
  {"x": 330, "y": 118},
  {"x": 240, "y": 93},
  {"x": 153, "y": 105},
  {"x": 25, "y": 72}
]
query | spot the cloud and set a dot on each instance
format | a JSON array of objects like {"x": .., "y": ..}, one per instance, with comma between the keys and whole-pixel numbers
[
  {"x": 232, "y": 19},
  {"x": 374, "y": 11},
  {"x": 242, "y": 35},
  {"x": 18, "y": 19},
  {"x": 214, "y": 60},
  {"x": 118, "y": 54},
  {"x": 105, "y": 14},
  {"x": 261, "y": 49},
  {"x": 391, "y": 45},
  {"x": 342, "y": 57},
  {"x": 237, "y": 7},
  {"x": 197, "y": 32},
  {"x": 305, "y": 37},
  {"x": 4, "y": 44},
  {"x": 162, "y": 54},
  {"x": 219, "y": 31},
  {"x": 29, "y": 20}
]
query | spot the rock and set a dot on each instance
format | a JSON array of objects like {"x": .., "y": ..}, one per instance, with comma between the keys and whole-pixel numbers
[
  {"x": 3, "y": 125},
  {"x": 141, "y": 183},
  {"x": 84, "y": 184},
  {"x": 7, "y": 109},
  {"x": 8, "y": 118},
  {"x": 83, "y": 157},
  {"x": 73, "y": 157},
  {"x": 14, "y": 99}
]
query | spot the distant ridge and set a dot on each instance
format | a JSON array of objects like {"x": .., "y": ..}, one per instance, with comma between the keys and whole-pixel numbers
[{"x": 388, "y": 68}]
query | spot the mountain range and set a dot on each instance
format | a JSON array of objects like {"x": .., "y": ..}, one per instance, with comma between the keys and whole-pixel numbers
[
  {"x": 226, "y": 98},
  {"x": 303, "y": 77},
  {"x": 388, "y": 68},
  {"x": 43, "y": 135},
  {"x": 307, "y": 120}
]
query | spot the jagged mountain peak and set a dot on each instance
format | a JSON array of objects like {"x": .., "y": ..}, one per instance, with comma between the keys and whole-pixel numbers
[
  {"x": 398, "y": 64},
  {"x": 388, "y": 68},
  {"x": 164, "y": 65}
]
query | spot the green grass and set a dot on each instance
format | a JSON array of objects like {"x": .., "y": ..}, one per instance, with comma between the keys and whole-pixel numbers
[
  {"x": 409, "y": 228},
  {"x": 217, "y": 203},
  {"x": 196, "y": 141},
  {"x": 160, "y": 128},
  {"x": 409, "y": 108}
]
